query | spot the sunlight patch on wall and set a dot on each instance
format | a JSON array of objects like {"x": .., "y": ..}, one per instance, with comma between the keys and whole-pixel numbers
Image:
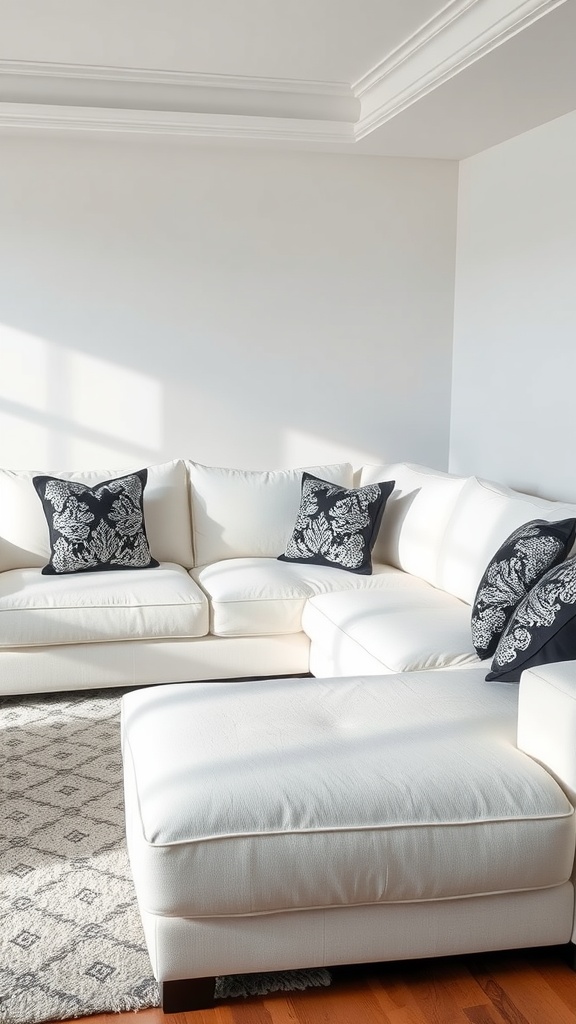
[
  {"x": 24, "y": 444},
  {"x": 23, "y": 368},
  {"x": 61, "y": 408},
  {"x": 112, "y": 399},
  {"x": 301, "y": 449},
  {"x": 79, "y": 453}
]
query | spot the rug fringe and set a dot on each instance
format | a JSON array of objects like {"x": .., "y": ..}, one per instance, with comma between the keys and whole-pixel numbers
[{"x": 234, "y": 985}]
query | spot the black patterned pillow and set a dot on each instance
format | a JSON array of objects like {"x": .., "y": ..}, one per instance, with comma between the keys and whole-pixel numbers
[
  {"x": 337, "y": 526},
  {"x": 542, "y": 628},
  {"x": 523, "y": 558},
  {"x": 95, "y": 528}
]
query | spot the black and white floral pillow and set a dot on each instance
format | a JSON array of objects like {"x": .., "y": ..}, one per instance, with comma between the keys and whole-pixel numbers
[
  {"x": 542, "y": 628},
  {"x": 337, "y": 526},
  {"x": 523, "y": 558},
  {"x": 95, "y": 528}
]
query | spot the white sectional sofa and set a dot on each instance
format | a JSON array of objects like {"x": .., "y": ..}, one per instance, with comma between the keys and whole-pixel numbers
[
  {"x": 221, "y": 605},
  {"x": 397, "y": 805}
]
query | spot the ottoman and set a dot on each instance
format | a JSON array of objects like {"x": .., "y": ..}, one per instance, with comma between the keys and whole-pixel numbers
[{"x": 297, "y": 823}]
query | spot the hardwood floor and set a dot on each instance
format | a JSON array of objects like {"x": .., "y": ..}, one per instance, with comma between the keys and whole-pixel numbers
[{"x": 527, "y": 987}]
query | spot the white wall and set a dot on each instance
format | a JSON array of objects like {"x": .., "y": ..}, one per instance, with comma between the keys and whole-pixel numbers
[
  {"x": 513, "y": 398},
  {"x": 161, "y": 299}
]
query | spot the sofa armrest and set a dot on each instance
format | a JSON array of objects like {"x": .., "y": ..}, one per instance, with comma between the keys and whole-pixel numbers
[{"x": 547, "y": 720}]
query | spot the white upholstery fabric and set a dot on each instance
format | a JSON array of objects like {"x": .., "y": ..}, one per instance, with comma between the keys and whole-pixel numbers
[
  {"x": 345, "y": 659},
  {"x": 242, "y": 513},
  {"x": 247, "y": 798},
  {"x": 484, "y": 516},
  {"x": 92, "y": 607},
  {"x": 393, "y": 630},
  {"x": 416, "y": 516},
  {"x": 24, "y": 537},
  {"x": 145, "y": 662},
  {"x": 208, "y": 946},
  {"x": 547, "y": 720},
  {"x": 259, "y": 596}
]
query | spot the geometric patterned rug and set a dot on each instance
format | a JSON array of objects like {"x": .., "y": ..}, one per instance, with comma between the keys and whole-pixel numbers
[{"x": 71, "y": 940}]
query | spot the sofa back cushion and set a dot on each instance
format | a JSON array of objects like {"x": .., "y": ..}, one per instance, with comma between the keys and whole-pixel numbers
[
  {"x": 485, "y": 515},
  {"x": 416, "y": 516},
  {"x": 24, "y": 536},
  {"x": 239, "y": 513}
]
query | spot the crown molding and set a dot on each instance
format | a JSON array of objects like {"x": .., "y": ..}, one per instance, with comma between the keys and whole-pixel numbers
[
  {"x": 462, "y": 33},
  {"x": 190, "y": 79},
  {"x": 75, "y": 97},
  {"x": 410, "y": 47},
  {"x": 75, "y": 85},
  {"x": 38, "y": 116}
]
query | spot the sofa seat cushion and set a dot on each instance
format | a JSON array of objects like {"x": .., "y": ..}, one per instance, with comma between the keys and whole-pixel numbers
[
  {"x": 402, "y": 631},
  {"x": 262, "y": 797},
  {"x": 128, "y": 604},
  {"x": 259, "y": 596}
]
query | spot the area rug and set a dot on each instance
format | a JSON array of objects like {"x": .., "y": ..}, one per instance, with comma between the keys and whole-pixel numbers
[{"x": 71, "y": 941}]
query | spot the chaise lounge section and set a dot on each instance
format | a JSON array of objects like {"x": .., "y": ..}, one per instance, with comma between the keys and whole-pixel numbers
[{"x": 318, "y": 822}]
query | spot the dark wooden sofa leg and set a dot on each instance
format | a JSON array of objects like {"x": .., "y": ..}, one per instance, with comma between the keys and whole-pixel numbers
[
  {"x": 571, "y": 955},
  {"x": 189, "y": 994}
]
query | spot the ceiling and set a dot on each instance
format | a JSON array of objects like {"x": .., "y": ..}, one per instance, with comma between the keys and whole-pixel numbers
[{"x": 393, "y": 77}]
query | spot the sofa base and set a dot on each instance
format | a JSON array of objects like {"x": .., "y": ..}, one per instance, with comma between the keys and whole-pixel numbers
[
  {"x": 186, "y": 948},
  {"x": 147, "y": 662}
]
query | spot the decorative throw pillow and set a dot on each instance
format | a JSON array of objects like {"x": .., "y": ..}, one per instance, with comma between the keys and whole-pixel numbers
[
  {"x": 337, "y": 526},
  {"x": 519, "y": 563},
  {"x": 95, "y": 528},
  {"x": 542, "y": 628}
]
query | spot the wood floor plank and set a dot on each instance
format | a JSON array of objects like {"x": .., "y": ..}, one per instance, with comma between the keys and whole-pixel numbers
[
  {"x": 561, "y": 978},
  {"x": 199, "y": 1017},
  {"x": 392, "y": 996},
  {"x": 455, "y": 977},
  {"x": 432, "y": 990},
  {"x": 397, "y": 1001},
  {"x": 247, "y": 1011},
  {"x": 396, "y": 1013},
  {"x": 344, "y": 1003},
  {"x": 435, "y": 1001},
  {"x": 237, "y": 1011},
  {"x": 405, "y": 1015},
  {"x": 281, "y": 1010},
  {"x": 483, "y": 1014},
  {"x": 501, "y": 1000},
  {"x": 523, "y": 995}
]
